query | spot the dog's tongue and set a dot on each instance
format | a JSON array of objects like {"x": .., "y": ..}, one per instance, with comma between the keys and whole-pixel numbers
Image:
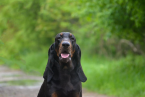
[{"x": 64, "y": 55}]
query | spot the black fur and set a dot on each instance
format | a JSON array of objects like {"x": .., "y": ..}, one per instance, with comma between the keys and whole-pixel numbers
[{"x": 59, "y": 82}]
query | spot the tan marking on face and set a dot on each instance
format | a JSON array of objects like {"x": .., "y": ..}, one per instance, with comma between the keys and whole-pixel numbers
[
  {"x": 60, "y": 47},
  {"x": 57, "y": 52},
  {"x": 70, "y": 34},
  {"x": 65, "y": 67},
  {"x": 71, "y": 50},
  {"x": 54, "y": 94},
  {"x": 61, "y": 34}
]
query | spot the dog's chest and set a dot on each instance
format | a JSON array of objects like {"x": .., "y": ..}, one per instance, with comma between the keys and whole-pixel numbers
[
  {"x": 66, "y": 90},
  {"x": 66, "y": 82}
]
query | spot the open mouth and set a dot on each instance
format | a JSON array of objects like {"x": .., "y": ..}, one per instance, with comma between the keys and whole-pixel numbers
[{"x": 65, "y": 55}]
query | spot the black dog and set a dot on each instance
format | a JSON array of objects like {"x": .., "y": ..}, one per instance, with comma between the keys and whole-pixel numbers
[{"x": 63, "y": 74}]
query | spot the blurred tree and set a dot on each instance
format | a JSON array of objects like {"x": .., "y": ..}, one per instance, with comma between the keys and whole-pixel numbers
[
  {"x": 30, "y": 25},
  {"x": 122, "y": 18}
]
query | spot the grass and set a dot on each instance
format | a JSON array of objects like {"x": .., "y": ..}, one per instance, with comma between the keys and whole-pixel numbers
[
  {"x": 124, "y": 77},
  {"x": 121, "y": 78},
  {"x": 34, "y": 63},
  {"x": 20, "y": 82}
]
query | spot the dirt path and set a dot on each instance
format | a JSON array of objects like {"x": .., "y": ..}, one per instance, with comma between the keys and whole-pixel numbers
[{"x": 18, "y": 84}]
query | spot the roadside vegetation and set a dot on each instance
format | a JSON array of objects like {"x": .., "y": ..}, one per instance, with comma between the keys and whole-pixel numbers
[{"x": 123, "y": 77}]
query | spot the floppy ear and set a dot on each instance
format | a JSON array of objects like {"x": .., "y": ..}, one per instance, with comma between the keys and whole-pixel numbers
[
  {"x": 48, "y": 74},
  {"x": 80, "y": 71}
]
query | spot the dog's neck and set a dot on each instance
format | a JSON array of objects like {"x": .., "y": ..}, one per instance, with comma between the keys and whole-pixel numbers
[
  {"x": 64, "y": 75},
  {"x": 65, "y": 66},
  {"x": 65, "y": 71}
]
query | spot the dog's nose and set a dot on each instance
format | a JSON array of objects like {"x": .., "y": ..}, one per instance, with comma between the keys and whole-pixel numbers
[{"x": 65, "y": 44}]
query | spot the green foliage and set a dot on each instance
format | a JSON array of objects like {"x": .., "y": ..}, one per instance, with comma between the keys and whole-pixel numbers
[
  {"x": 121, "y": 78},
  {"x": 33, "y": 63},
  {"x": 32, "y": 24},
  {"x": 124, "y": 18},
  {"x": 38, "y": 64},
  {"x": 28, "y": 27}
]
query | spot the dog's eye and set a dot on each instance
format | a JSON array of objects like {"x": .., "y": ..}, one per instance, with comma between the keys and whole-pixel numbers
[
  {"x": 72, "y": 38},
  {"x": 58, "y": 38}
]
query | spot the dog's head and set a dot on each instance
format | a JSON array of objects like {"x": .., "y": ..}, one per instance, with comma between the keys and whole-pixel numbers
[
  {"x": 63, "y": 52},
  {"x": 65, "y": 43}
]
